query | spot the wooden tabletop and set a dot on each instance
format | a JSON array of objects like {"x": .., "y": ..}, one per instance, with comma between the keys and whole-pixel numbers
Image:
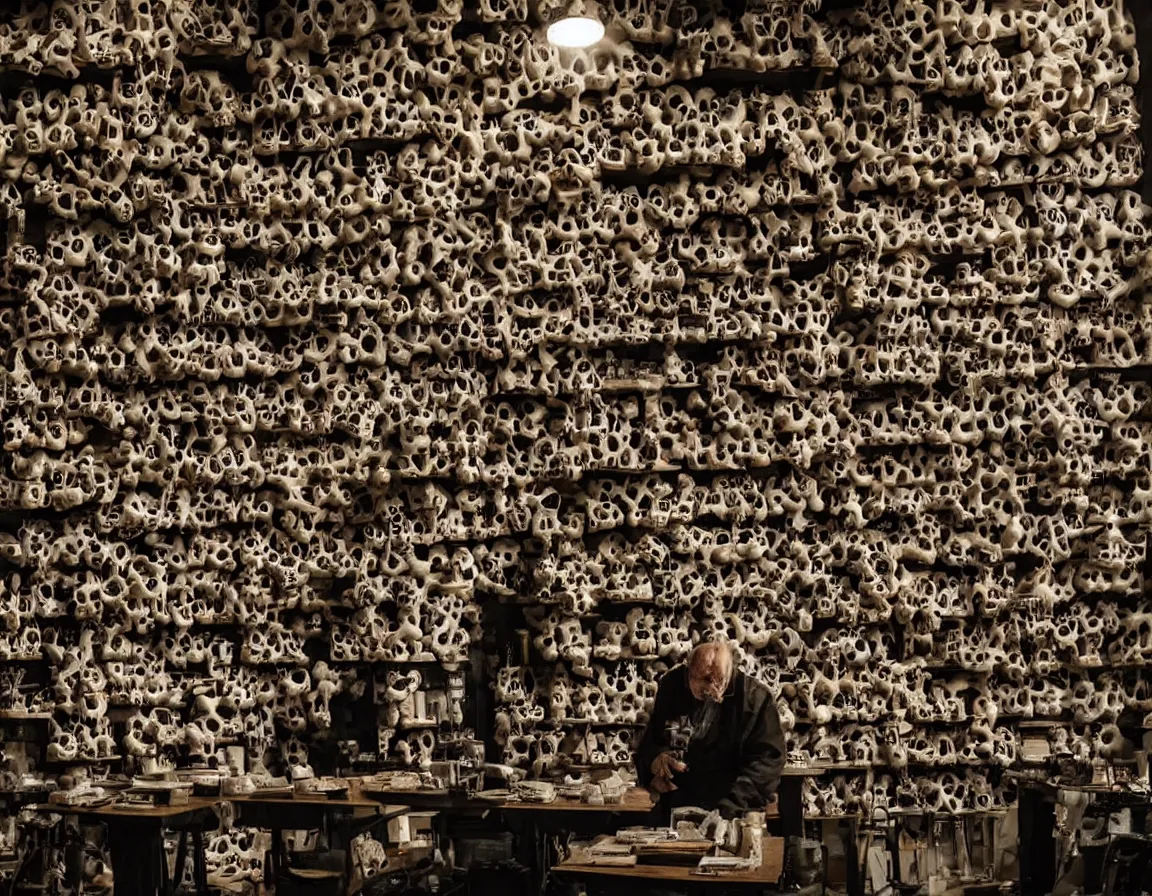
[
  {"x": 636, "y": 799},
  {"x": 357, "y": 802},
  {"x": 196, "y": 804},
  {"x": 391, "y": 810},
  {"x": 127, "y": 810},
  {"x": 768, "y": 874},
  {"x": 409, "y": 795}
]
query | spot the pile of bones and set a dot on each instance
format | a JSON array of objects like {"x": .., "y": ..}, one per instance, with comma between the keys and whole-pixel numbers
[{"x": 326, "y": 322}]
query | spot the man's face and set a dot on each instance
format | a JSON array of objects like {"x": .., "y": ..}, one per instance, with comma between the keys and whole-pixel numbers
[{"x": 709, "y": 673}]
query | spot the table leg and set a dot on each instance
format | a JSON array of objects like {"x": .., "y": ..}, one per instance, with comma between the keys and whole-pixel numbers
[
  {"x": 135, "y": 852},
  {"x": 528, "y": 850},
  {"x": 1037, "y": 820},
  {"x": 199, "y": 863},
  {"x": 345, "y": 824},
  {"x": 72, "y": 845},
  {"x": 163, "y": 877},
  {"x": 539, "y": 854},
  {"x": 791, "y": 799},
  {"x": 172, "y": 884},
  {"x": 850, "y": 834},
  {"x": 276, "y": 856}
]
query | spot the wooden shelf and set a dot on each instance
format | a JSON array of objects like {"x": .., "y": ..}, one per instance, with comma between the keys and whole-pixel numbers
[
  {"x": 901, "y": 813},
  {"x": 593, "y": 723},
  {"x": 640, "y": 382},
  {"x": 450, "y": 665},
  {"x": 886, "y": 767},
  {"x": 313, "y": 873},
  {"x": 966, "y": 721}
]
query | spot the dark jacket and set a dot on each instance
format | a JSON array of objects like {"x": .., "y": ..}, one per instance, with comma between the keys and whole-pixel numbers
[{"x": 737, "y": 766}]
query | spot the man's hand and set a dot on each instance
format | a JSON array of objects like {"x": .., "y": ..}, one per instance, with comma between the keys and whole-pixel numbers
[{"x": 664, "y": 767}]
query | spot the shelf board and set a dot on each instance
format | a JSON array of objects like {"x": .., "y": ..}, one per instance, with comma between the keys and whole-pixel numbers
[
  {"x": 443, "y": 664},
  {"x": 885, "y": 767},
  {"x": 639, "y": 382},
  {"x": 1016, "y": 718},
  {"x": 901, "y": 813},
  {"x": 596, "y": 724}
]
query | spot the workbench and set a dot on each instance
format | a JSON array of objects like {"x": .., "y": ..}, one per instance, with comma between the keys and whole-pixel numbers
[
  {"x": 136, "y": 842},
  {"x": 1040, "y": 834},
  {"x": 353, "y": 816},
  {"x": 136, "y": 833},
  {"x": 439, "y": 799},
  {"x": 636, "y": 800},
  {"x": 765, "y": 879},
  {"x": 566, "y": 815},
  {"x": 573, "y": 816}
]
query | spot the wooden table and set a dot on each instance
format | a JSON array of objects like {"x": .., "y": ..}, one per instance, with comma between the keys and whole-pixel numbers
[
  {"x": 1037, "y": 804},
  {"x": 565, "y": 814},
  {"x": 635, "y": 800},
  {"x": 194, "y": 805},
  {"x": 766, "y": 878},
  {"x": 136, "y": 842},
  {"x": 451, "y": 801},
  {"x": 354, "y": 802},
  {"x": 288, "y": 813}
]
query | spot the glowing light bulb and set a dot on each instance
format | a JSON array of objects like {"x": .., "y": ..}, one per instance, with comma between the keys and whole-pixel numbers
[{"x": 575, "y": 32}]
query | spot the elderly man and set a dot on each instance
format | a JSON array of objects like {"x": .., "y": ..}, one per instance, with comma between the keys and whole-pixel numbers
[{"x": 713, "y": 738}]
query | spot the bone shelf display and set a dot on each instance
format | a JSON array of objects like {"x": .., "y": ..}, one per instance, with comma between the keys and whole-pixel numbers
[{"x": 333, "y": 330}]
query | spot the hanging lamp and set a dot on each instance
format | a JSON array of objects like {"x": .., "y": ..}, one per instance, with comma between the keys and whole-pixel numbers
[{"x": 578, "y": 26}]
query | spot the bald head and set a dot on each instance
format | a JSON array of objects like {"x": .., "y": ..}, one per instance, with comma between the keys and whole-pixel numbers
[{"x": 710, "y": 670}]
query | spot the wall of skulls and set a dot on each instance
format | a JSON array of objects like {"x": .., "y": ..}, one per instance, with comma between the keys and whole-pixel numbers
[{"x": 326, "y": 325}]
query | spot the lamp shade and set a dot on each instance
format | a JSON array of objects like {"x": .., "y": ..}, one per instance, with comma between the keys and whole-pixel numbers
[{"x": 575, "y": 32}]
